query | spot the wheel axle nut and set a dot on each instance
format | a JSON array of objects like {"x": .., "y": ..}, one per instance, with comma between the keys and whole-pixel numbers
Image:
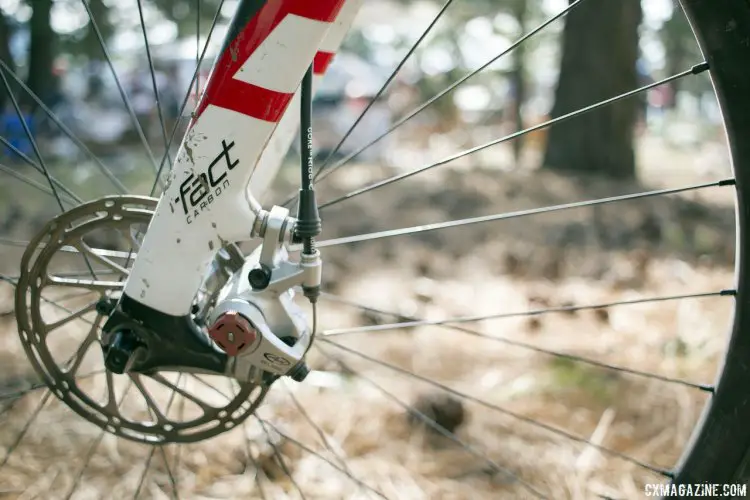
[
  {"x": 118, "y": 352},
  {"x": 233, "y": 333}
]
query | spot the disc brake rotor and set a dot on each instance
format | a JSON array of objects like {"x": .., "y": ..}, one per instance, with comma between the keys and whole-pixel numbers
[{"x": 66, "y": 353}]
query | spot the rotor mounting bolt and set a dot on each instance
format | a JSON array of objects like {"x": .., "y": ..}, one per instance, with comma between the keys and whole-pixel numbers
[
  {"x": 233, "y": 333},
  {"x": 105, "y": 306},
  {"x": 259, "y": 277}
]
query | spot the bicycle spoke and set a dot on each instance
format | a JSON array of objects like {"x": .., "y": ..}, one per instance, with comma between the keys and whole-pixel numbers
[
  {"x": 383, "y": 87},
  {"x": 70, "y": 194},
  {"x": 277, "y": 454},
  {"x": 92, "y": 450},
  {"x": 74, "y": 315},
  {"x": 32, "y": 140},
  {"x": 318, "y": 430},
  {"x": 209, "y": 385},
  {"x": 166, "y": 383},
  {"x": 197, "y": 47},
  {"x": 258, "y": 471},
  {"x": 305, "y": 448},
  {"x": 453, "y": 322},
  {"x": 65, "y": 130},
  {"x": 36, "y": 387},
  {"x": 25, "y": 428},
  {"x": 69, "y": 296},
  {"x": 181, "y": 416},
  {"x": 77, "y": 274},
  {"x": 36, "y": 185},
  {"x": 18, "y": 153},
  {"x": 185, "y": 100},
  {"x": 413, "y": 323},
  {"x": 93, "y": 285},
  {"x": 146, "y": 467},
  {"x": 454, "y": 86},
  {"x": 170, "y": 475},
  {"x": 695, "y": 70},
  {"x": 433, "y": 424},
  {"x": 248, "y": 450},
  {"x": 90, "y": 339},
  {"x": 100, "y": 258},
  {"x": 323, "y": 437},
  {"x": 158, "y": 417},
  {"x": 517, "y": 416},
  {"x": 154, "y": 84},
  {"x": 116, "y": 254},
  {"x": 89, "y": 455},
  {"x": 120, "y": 88},
  {"x": 153, "y": 408},
  {"x": 37, "y": 152},
  {"x": 346, "y": 240}
]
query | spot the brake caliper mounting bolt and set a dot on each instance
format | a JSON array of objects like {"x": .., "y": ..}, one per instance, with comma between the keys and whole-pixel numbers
[{"x": 259, "y": 277}]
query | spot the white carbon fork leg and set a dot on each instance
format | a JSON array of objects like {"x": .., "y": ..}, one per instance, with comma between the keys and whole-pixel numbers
[
  {"x": 207, "y": 201},
  {"x": 281, "y": 139}
]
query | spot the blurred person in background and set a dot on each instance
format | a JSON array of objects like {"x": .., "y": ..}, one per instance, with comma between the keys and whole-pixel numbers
[
  {"x": 12, "y": 129},
  {"x": 57, "y": 102},
  {"x": 142, "y": 100},
  {"x": 168, "y": 84}
]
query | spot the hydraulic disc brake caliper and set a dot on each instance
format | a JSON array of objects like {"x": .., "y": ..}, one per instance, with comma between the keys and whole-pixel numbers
[{"x": 256, "y": 321}]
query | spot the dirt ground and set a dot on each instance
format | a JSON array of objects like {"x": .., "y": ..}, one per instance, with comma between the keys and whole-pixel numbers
[{"x": 504, "y": 383}]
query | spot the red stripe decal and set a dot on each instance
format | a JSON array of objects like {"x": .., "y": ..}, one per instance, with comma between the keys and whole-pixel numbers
[
  {"x": 226, "y": 92},
  {"x": 321, "y": 62}
]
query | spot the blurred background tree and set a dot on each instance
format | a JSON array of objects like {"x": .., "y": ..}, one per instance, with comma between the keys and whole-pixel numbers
[
  {"x": 601, "y": 141},
  {"x": 680, "y": 49}
]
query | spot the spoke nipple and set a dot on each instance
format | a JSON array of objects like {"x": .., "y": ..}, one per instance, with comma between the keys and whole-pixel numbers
[
  {"x": 699, "y": 68},
  {"x": 730, "y": 292},
  {"x": 728, "y": 182}
]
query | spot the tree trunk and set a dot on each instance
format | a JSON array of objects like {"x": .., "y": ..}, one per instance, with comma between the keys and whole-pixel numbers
[
  {"x": 5, "y": 33},
  {"x": 91, "y": 43},
  {"x": 518, "y": 76},
  {"x": 677, "y": 38},
  {"x": 92, "y": 46},
  {"x": 600, "y": 49},
  {"x": 42, "y": 52}
]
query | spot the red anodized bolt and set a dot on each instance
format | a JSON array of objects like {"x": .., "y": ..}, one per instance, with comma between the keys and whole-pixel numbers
[{"x": 233, "y": 333}]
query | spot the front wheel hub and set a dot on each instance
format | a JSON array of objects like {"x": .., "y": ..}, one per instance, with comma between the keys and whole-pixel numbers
[
  {"x": 233, "y": 333},
  {"x": 120, "y": 350}
]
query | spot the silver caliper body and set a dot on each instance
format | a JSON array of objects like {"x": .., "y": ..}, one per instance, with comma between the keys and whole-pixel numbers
[{"x": 282, "y": 335}]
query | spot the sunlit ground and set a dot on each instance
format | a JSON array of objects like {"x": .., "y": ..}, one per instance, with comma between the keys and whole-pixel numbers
[{"x": 579, "y": 257}]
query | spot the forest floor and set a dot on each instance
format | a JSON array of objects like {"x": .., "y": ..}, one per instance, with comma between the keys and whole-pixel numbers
[{"x": 645, "y": 248}]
